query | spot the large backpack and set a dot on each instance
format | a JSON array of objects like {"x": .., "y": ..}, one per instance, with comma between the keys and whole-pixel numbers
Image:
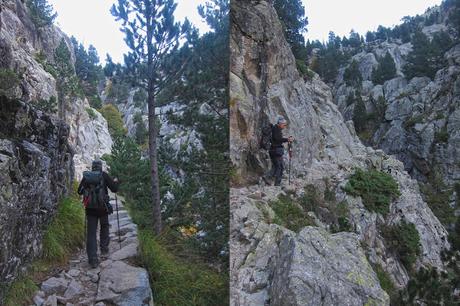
[
  {"x": 94, "y": 195},
  {"x": 266, "y": 139}
]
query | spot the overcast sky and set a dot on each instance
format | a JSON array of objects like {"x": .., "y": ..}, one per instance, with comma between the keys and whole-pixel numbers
[
  {"x": 341, "y": 16},
  {"x": 90, "y": 22}
]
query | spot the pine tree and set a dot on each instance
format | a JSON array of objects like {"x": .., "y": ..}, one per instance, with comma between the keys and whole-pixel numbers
[
  {"x": 41, "y": 12},
  {"x": 152, "y": 34},
  {"x": 385, "y": 71},
  {"x": 359, "y": 114},
  {"x": 292, "y": 15},
  {"x": 352, "y": 75},
  {"x": 427, "y": 57}
]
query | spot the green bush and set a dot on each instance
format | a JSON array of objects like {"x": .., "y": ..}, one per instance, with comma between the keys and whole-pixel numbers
[
  {"x": 114, "y": 120},
  {"x": 8, "y": 80},
  {"x": 176, "y": 282},
  {"x": 289, "y": 213},
  {"x": 404, "y": 239},
  {"x": 48, "y": 106},
  {"x": 441, "y": 136},
  {"x": 377, "y": 189},
  {"x": 91, "y": 113}
]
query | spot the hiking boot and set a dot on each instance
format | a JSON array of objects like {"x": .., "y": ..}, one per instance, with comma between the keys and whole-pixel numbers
[
  {"x": 267, "y": 180},
  {"x": 94, "y": 263},
  {"x": 104, "y": 253}
]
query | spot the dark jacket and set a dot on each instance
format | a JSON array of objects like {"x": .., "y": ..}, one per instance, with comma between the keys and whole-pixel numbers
[
  {"x": 277, "y": 137},
  {"x": 109, "y": 184}
]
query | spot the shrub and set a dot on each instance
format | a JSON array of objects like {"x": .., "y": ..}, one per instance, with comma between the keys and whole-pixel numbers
[
  {"x": 404, "y": 239},
  {"x": 377, "y": 189},
  {"x": 289, "y": 213}
]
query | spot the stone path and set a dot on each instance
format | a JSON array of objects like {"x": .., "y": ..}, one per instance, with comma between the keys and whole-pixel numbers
[{"x": 117, "y": 280}]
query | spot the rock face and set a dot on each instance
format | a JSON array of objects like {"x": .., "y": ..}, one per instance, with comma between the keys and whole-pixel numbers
[
  {"x": 21, "y": 47},
  {"x": 36, "y": 171},
  {"x": 89, "y": 135},
  {"x": 117, "y": 281},
  {"x": 265, "y": 83},
  {"x": 420, "y": 124},
  {"x": 37, "y": 151}
]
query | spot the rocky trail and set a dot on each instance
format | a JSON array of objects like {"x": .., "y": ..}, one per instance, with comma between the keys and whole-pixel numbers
[{"x": 117, "y": 281}]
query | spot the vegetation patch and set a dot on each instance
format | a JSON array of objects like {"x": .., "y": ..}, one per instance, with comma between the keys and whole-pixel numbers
[
  {"x": 431, "y": 287},
  {"x": 61, "y": 238},
  {"x": 404, "y": 239},
  {"x": 8, "y": 80},
  {"x": 91, "y": 113},
  {"x": 441, "y": 136},
  {"x": 377, "y": 189},
  {"x": 114, "y": 120},
  {"x": 47, "y": 106},
  {"x": 385, "y": 280},
  {"x": 290, "y": 213},
  {"x": 176, "y": 282}
]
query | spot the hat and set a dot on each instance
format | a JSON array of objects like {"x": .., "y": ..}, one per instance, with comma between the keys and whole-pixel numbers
[
  {"x": 96, "y": 165},
  {"x": 281, "y": 120}
]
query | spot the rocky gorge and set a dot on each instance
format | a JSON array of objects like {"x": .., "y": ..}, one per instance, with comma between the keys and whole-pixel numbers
[
  {"x": 48, "y": 138},
  {"x": 270, "y": 263}
]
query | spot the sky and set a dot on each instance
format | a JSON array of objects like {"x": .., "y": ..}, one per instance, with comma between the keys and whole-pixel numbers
[
  {"x": 341, "y": 16},
  {"x": 90, "y": 22}
]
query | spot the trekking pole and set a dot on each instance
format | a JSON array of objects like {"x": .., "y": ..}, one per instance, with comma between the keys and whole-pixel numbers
[
  {"x": 290, "y": 158},
  {"x": 118, "y": 221}
]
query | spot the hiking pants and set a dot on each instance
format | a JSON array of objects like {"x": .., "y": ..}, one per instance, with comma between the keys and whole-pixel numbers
[
  {"x": 91, "y": 241},
  {"x": 277, "y": 165}
]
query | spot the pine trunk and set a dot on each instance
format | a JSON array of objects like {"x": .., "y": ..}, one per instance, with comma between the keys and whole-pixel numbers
[{"x": 156, "y": 207}]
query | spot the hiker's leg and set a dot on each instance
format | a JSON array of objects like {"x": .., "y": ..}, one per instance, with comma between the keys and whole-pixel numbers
[
  {"x": 278, "y": 170},
  {"x": 104, "y": 235},
  {"x": 91, "y": 242}
]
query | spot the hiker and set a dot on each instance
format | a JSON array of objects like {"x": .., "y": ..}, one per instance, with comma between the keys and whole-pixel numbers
[
  {"x": 93, "y": 187},
  {"x": 276, "y": 150}
]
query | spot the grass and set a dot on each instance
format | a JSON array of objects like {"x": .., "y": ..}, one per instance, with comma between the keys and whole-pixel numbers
[
  {"x": 385, "y": 280},
  {"x": 290, "y": 214},
  {"x": 177, "y": 282},
  {"x": 377, "y": 189},
  {"x": 62, "y": 236}
]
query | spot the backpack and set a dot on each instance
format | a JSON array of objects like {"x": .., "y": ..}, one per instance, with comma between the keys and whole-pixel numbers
[
  {"x": 266, "y": 139},
  {"x": 94, "y": 195}
]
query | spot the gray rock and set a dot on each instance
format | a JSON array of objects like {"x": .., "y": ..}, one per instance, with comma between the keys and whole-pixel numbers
[
  {"x": 54, "y": 285},
  {"x": 51, "y": 301},
  {"x": 74, "y": 289},
  {"x": 38, "y": 300},
  {"x": 126, "y": 252},
  {"x": 74, "y": 272},
  {"x": 317, "y": 268},
  {"x": 124, "y": 285}
]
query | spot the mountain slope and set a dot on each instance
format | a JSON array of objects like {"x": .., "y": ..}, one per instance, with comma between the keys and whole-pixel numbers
[{"x": 264, "y": 83}]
